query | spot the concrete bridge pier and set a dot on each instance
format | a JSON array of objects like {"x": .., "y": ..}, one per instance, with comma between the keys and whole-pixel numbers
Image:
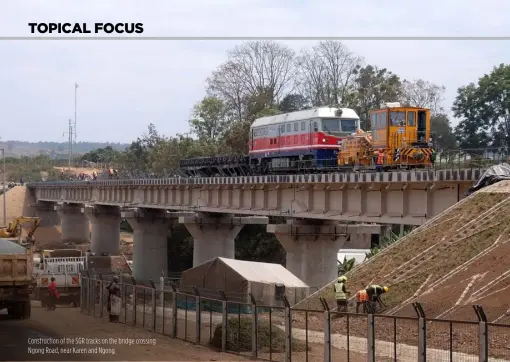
[
  {"x": 74, "y": 225},
  {"x": 312, "y": 246},
  {"x": 45, "y": 211},
  {"x": 151, "y": 228},
  {"x": 105, "y": 235},
  {"x": 214, "y": 234}
]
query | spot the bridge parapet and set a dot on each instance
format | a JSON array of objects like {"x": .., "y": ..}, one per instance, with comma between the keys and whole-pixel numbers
[{"x": 446, "y": 175}]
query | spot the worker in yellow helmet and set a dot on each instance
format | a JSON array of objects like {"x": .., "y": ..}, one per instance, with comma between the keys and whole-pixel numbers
[
  {"x": 341, "y": 294},
  {"x": 374, "y": 293}
]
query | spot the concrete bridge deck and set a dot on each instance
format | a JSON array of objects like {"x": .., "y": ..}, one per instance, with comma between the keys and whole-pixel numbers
[
  {"x": 320, "y": 210},
  {"x": 406, "y": 197}
]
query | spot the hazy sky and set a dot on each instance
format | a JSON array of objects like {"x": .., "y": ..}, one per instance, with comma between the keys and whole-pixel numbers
[{"x": 125, "y": 85}]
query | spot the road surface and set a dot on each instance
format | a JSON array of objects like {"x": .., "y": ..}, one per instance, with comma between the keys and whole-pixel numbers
[{"x": 24, "y": 340}]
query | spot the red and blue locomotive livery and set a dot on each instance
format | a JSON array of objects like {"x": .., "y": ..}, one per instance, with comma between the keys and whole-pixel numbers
[
  {"x": 290, "y": 142},
  {"x": 311, "y": 135}
]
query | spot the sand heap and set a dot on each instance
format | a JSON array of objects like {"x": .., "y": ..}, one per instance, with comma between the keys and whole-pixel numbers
[{"x": 460, "y": 258}]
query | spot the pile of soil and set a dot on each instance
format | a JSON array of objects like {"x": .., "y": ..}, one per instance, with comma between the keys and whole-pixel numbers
[{"x": 459, "y": 259}]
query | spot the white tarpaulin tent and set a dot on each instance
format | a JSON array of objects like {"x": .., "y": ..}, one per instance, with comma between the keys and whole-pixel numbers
[{"x": 237, "y": 278}]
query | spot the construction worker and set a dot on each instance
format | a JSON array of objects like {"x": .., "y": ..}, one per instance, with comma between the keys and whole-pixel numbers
[
  {"x": 341, "y": 294},
  {"x": 362, "y": 300},
  {"x": 53, "y": 294},
  {"x": 374, "y": 293},
  {"x": 379, "y": 162}
]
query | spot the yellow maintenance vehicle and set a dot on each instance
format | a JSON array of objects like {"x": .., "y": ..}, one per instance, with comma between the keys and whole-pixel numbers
[
  {"x": 13, "y": 230},
  {"x": 401, "y": 133}
]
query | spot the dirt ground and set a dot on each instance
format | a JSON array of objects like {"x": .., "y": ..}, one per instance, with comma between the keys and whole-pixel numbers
[
  {"x": 461, "y": 259},
  {"x": 69, "y": 322},
  {"x": 17, "y": 203},
  {"x": 78, "y": 170}
]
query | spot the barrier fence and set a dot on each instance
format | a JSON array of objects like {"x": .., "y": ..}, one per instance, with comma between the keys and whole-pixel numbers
[{"x": 289, "y": 334}]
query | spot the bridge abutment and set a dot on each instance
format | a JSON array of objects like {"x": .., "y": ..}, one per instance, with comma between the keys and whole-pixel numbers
[
  {"x": 75, "y": 227},
  {"x": 214, "y": 234},
  {"x": 312, "y": 246},
  {"x": 105, "y": 235}
]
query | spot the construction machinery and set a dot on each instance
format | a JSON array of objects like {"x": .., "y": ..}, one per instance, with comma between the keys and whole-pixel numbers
[
  {"x": 401, "y": 133},
  {"x": 16, "y": 268},
  {"x": 13, "y": 230},
  {"x": 65, "y": 265}
]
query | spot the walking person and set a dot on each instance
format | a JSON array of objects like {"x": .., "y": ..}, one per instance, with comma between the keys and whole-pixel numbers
[
  {"x": 114, "y": 300},
  {"x": 53, "y": 294}
]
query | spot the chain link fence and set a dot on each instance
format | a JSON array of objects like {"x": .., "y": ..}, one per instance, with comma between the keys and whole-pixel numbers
[{"x": 283, "y": 333}]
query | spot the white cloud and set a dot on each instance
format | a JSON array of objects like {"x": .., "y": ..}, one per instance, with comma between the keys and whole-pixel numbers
[{"x": 124, "y": 85}]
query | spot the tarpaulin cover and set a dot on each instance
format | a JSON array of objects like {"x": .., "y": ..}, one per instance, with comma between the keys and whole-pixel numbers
[
  {"x": 8, "y": 246},
  {"x": 491, "y": 176}
]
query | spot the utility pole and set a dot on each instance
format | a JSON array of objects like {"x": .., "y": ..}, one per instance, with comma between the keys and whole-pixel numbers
[
  {"x": 75, "y": 105},
  {"x": 70, "y": 132},
  {"x": 3, "y": 187}
]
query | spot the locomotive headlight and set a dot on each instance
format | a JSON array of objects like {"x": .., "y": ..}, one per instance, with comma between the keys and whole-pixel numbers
[{"x": 323, "y": 140}]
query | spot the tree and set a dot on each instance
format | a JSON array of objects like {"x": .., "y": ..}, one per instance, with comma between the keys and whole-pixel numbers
[
  {"x": 442, "y": 133},
  {"x": 136, "y": 156},
  {"x": 420, "y": 93},
  {"x": 209, "y": 118},
  {"x": 107, "y": 154},
  {"x": 325, "y": 72},
  {"x": 292, "y": 102},
  {"x": 346, "y": 266},
  {"x": 372, "y": 87},
  {"x": 485, "y": 110},
  {"x": 252, "y": 69}
]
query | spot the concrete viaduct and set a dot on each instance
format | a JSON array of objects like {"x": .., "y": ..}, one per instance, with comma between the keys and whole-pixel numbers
[{"x": 324, "y": 212}]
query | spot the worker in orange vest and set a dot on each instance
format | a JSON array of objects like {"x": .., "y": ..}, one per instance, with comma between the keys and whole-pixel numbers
[
  {"x": 379, "y": 162},
  {"x": 362, "y": 300}
]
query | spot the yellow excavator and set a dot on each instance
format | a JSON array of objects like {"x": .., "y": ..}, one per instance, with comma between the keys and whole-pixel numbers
[{"x": 13, "y": 230}]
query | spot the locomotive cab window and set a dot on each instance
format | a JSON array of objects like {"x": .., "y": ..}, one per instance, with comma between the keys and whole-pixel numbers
[
  {"x": 288, "y": 127},
  {"x": 282, "y": 128},
  {"x": 349, "y": 125},
  {"x": 315, "y": 126},
  {"x": 296, "y": 127},
  {"x": 411, "y": 119},
  {"x": 303, "y": 126},
  {"x": 382, "y": 119},
  {"x": 397, "y": 118}
]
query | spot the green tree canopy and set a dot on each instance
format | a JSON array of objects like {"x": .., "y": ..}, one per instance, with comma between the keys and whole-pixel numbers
[{"x": 484, "y": 109}]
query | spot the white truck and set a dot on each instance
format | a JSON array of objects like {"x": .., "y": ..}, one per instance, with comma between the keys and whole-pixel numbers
[{"x": 67, "y": 274}]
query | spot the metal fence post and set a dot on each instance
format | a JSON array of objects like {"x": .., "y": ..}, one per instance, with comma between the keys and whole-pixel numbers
[
  {"x": 327, "y": 330},
  {"x": 134, "y": 300},
  {"x": 90, "y": 295},
  {"x": 422, "y": 332},
  {"x": 173, "y": 333},
  {"x": 154, "y": 314},
  {"x": 483, "y": 333},
  {"x": 254, "y": 328},
  {"x": 101, "y": 296},
  {"x": 162, "y": 287},
  {"x": 288, "y": 330},
  {"x": 224, "y": 320},
  {"x": 198, "y": 313},
  {"x": 371, "y": 338}
]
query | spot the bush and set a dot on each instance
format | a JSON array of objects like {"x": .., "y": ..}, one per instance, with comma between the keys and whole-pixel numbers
[{"x": 239, "y": 336}]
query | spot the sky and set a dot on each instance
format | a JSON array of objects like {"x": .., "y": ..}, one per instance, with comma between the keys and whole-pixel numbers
[{"x": 125, "y": 85}]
